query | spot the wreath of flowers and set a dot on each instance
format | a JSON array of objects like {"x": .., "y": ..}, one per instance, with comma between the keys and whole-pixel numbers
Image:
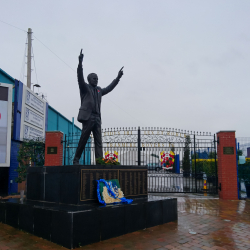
[{"x": 111, "y": 193}]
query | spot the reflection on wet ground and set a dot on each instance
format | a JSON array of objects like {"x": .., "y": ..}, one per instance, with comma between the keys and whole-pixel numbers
[
  {"x": 203, "y": 223},
  {"x": 196, "y": 205}
]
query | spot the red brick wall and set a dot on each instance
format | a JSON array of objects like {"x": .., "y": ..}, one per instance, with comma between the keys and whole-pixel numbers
[
  {"x": 54, "y": 139},
  {"x": 227, "y": 168}
]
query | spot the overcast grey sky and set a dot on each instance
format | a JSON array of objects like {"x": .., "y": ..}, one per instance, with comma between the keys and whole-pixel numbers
[{"x": 186, "y": 63}]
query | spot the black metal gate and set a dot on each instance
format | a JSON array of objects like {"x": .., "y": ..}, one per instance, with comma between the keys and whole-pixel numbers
[{"x": 177, "y": 160}]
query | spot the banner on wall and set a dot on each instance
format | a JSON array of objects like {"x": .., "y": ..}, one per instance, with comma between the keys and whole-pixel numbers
[
  {"x": 110, "y": 155},
  {"x": 5, "y": 123},
  {"x": 167, "y": 159}
]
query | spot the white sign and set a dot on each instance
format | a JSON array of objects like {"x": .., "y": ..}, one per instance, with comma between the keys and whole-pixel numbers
[
  {"x": 5, "y": 123},
  {"x": 33, "y": 118},
  {"x": 3, "y": 130},
  {"x": 33, "y": 115},
  {"x": 32, "y": 133},
  {"x": 34, "y": 102},
  {"x": 3, "y": 113}
]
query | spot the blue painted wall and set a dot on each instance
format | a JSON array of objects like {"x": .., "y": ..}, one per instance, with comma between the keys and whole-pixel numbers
[
  {"x": 6, "y": 78},
  {"x": 17, "y": 109},
  {"x": 13, "y": 186}
]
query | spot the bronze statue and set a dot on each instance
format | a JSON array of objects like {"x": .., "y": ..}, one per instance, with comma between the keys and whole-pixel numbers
[{"x": 90, "y": 111}]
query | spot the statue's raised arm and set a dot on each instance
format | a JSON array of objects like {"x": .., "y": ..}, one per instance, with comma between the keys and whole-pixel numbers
[
  {"x": 81, "y": 81},
  {"x": 112, "y": 85},
  {"x": 120, "y": 73},
  {"x": 81, "y": 57}
]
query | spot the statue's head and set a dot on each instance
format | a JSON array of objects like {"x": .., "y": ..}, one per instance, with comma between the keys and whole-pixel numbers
[{"x": 93, "y": 79}]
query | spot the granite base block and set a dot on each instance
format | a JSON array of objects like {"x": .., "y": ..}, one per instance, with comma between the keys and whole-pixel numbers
[
  {"x": 42, "y": 222},
  {"x": 12, "y": 214},
  {"x": 77, "y": 225},
  {"x": 2, "y": 212},
  {"x": 26, "y": 215},
  {"x": 86, "y": 228}
]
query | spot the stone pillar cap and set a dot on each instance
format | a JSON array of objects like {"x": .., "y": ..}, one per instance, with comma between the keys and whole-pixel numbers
[
  {"x": 225, "y": 131},
  {"x": 54, "y": 132}
]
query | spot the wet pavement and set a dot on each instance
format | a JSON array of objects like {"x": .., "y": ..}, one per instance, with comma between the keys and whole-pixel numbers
[{"x": 204, "y": 222}]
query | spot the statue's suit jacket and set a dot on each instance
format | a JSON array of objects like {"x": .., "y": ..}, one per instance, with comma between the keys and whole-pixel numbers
[{"x": 87, "y": 97}]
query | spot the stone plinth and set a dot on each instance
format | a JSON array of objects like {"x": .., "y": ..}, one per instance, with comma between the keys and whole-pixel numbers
[{"x": 77, "y": 184}]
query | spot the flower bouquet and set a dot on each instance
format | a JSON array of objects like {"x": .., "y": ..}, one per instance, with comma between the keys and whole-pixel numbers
[{"x": 107, "y": 161}]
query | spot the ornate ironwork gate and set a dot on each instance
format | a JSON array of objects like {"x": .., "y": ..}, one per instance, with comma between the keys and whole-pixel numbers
[{"x": 177, "y": 160}]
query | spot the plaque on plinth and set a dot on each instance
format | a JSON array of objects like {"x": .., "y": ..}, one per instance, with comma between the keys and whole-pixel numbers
[{"x": 133, "y": 181}]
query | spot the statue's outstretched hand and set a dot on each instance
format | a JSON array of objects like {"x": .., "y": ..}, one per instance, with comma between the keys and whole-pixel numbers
[
  {"x": 81, "y": 57},
  {"x": 120, "y": 73}
]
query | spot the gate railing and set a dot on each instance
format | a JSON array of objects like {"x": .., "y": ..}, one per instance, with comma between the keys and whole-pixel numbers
[
  {"x": 177, "y": 183},
  {"x": 176, "y": 159},
  {"x": 244, "y": 180}
]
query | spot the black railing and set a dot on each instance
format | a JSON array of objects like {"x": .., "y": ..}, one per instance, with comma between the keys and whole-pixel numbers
[
  {"x": 177, "y": 183},
  {"x": 244, "y": 180},
  {"x": 177, "y": 160}
]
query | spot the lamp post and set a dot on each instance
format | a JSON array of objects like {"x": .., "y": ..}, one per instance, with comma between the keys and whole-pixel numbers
[{"x": 36, "y": 85}]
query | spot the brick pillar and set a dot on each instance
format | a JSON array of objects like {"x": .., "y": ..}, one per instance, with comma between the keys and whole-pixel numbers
[
  {"x": 227, "y": 167},
  {"x": 53, "y": 148}
]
